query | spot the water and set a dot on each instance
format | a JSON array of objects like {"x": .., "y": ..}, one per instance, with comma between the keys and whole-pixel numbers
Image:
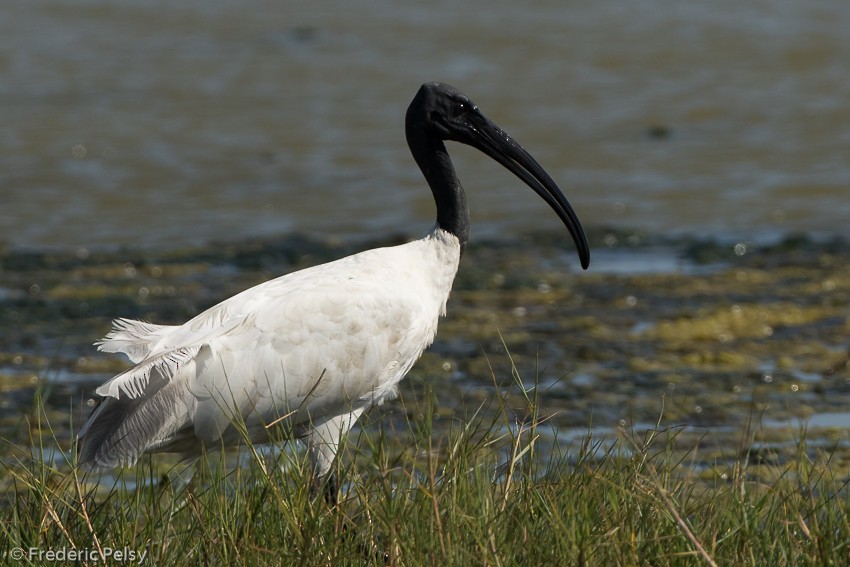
[{"x": 159, "y": 124}]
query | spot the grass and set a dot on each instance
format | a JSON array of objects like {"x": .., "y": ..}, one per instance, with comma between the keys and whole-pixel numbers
[{"x": 482, "y": 491}]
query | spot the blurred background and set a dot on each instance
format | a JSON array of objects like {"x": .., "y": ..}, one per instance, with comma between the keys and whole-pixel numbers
[{"x": 160, "y": 124}]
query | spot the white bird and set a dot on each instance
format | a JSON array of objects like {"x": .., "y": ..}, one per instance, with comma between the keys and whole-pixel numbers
[{"x": 313, "y": 349}]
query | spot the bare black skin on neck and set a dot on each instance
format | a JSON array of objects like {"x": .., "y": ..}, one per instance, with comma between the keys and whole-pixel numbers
[{"x": 429, "y": 151}]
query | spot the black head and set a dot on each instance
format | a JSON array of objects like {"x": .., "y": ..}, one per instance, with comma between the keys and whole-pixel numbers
[{"x": 442, "y": 111}]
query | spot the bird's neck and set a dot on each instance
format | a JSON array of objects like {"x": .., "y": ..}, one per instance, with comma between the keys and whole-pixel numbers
[{"x": 436, "y": 165}]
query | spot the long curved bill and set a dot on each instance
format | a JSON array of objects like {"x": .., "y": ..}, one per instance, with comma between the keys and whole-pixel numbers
[{"x": 487, "y": 137}]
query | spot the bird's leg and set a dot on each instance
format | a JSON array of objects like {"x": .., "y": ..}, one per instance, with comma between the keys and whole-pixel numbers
[
  {"x": 369, "y": 547},
  {"x": 331, "y": 490},
  {"x": 322, "y": 445},
  {"x": 328, "y": 486}
]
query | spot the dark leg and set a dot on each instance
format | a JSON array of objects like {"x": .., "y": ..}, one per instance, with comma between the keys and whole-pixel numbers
[
  {"x": 331, "y": 490},
  {"x": 328, "y": 487}
]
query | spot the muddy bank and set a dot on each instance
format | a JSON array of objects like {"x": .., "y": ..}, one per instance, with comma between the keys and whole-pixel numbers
[{"x": 708, "y": 337}]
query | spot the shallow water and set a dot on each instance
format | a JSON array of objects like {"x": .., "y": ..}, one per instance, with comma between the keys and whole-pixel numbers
[
  {"x": 719, "y": 346},
  {"x": 161, "y": 124}
]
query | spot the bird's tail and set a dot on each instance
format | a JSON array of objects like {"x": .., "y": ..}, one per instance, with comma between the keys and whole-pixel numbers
[{"x": 122, "y": 428}]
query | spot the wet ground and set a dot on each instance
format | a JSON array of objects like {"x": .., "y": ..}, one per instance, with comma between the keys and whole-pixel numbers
[{"x": 730, "y": 346}]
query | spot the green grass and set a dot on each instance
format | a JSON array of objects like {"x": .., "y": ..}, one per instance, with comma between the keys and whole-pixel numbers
[{"x": 478, "y": 492}]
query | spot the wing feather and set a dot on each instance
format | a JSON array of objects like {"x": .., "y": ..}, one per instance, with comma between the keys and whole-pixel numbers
[{"x": 136, "y": 339}]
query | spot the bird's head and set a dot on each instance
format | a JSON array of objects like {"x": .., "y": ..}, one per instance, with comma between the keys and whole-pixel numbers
[{"x": 440, "y": 112}]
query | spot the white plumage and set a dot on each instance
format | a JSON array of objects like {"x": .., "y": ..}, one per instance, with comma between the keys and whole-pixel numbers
[
  {"x": 312, "y": 349},
  {"x": 327, "y": 341}
]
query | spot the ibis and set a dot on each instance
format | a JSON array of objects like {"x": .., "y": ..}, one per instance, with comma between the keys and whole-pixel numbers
[{"x": 309, "y": 351}]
